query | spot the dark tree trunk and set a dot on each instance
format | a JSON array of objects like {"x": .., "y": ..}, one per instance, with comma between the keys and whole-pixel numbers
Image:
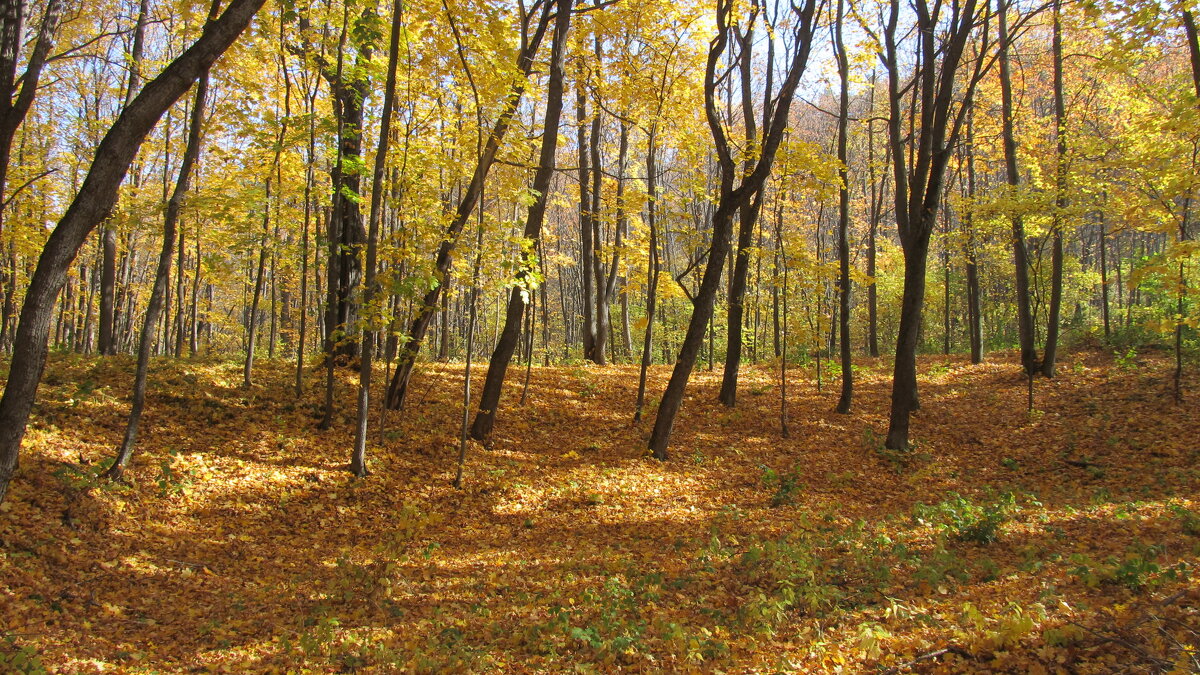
[
  {"x": 259, "y": 276},
  {"x": 974, "y": 318},
  {"x": 847, "y": 395},
  {"x": 1029, "y": 357},
  {"x": 731, "y": 199},
  {"x": 398, "y": 388},
  {"x": 652, "y": 268},
  {"x": 748, "y": 218},
  {"x": 919, "y": 175},
  {"x": 1053, "y": 320},
  {"x": 92, "y": 205},
  {"x": 485, "y": 419},
  {"x": 586, "y": 215},
  {"x": 358, "y": 457}
]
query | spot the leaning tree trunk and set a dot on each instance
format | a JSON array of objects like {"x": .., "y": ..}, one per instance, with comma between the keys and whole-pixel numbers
[
  {"x": 91, "y": 205},
  {"x": 170, "y": 220},
  {"x": 731, "y": 200},
  {"x": 398, "y": 388},
  {"x": 485, "y": 419},
  {"x": 108, "y": 269}
]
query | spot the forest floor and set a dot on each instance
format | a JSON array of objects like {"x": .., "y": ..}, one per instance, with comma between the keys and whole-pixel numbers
[{"x": 1066, "y": 539}]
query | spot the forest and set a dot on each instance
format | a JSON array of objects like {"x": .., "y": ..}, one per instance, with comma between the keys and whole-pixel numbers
[{"x": 599, "y": 336}]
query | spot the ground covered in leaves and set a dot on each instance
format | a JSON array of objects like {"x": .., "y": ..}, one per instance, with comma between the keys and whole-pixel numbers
[{"x": 1066, "y": 539}]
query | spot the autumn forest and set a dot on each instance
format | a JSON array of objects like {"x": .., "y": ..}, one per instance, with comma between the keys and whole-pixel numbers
[{"x": 599, "y": 336}]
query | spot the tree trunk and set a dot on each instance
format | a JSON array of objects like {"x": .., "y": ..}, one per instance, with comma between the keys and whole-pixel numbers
[
  {"x": 974, "y": 318},
  {"x": 586, "y": 240},
  {"x": 652, "y": 267},
  {"x": 398, "y": 388},
  {"x": 748, "y": 218},
  {"x": 260, "y": 273},
  {"x": 108, "y": 278},
  {"x": 1060, "y": 203},
  {"x": 847, "y": 395},
  {"x": 485, "y": 419},
  {"x": 1029, "y": 357},
  {"x": 170, "y": 220},
  {"x": 358, "y": 458},
  {"x": 731, "y": 199}
]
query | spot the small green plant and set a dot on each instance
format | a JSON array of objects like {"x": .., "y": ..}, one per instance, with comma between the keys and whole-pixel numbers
[
  {"x": 1136, "y": 570},
  {"x": 1190, "y": 520},
  {"x": 17, "y": 659},
  {"x": 171, "y": 480},
  {"x": 1010, "y": 464},
  {"x": 1126, "y": 360},
  {"x": 372, "y": 580},
  {"x": 787, "y": 486},
  {"x": 965, "y": 520},
  {"x": 84, "y": 477}
]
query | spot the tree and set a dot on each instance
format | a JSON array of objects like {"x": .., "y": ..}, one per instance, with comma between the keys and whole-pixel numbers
[
  {"x": 843, "y": 65},
  {"x": 731, "y": 198},
  {"x": 358, "y": 457},
  {"x": 170, "y": 220},
  {"x": 919, "y": 157},
  {"x": 531, "y": 38},
  {"x": 526, "y": 282},
  {"x": 91, "y": 205}
]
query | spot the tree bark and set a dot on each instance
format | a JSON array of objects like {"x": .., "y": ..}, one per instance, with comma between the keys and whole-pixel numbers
[
  {"x": 358, "y": 458},
  {"x": 919, "y": 176},
  {"x": 748, "y": 218},
  {"x": 1029, "y": 357},
  {"x": 847, "y": 395},
  {"x": 398, "y": 388},
  {"x": 1049, "y": 354}
]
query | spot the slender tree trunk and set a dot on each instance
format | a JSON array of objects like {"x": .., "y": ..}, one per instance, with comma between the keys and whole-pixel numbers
[
  {"x": 1060, "y": 203},
  {"x": 398, "y": 388},
  {"x": 485, "y": 419},
  {"x": 108, "y": 275},
  {"x": 586, "y": 240},
  {"x": 260, "y": 273},
  {"x": 170, "y": 220},
  {"x": 1029, "y": 357},
  {"x": 748, "y": 218},
  {"x": 358, "y": 458},
  {"x": 974, "y": 318},
  {"x": 652, "y": 267},
  {"x": 731, "y": 200},
  {"x": 872, "y": 233},
  {"x": 847, "y": 395}
]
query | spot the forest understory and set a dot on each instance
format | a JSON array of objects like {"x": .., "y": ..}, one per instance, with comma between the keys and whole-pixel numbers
[{"x": 1060, "y": 540}]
